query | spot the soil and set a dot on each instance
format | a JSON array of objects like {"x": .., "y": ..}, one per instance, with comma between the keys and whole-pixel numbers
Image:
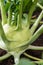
[
  {"x": 38, "y": 42},
  {"x": 8, "y": 61}
]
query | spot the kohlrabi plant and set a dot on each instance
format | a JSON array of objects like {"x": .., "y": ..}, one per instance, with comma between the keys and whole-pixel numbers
[{"x": 16, "y": 35}]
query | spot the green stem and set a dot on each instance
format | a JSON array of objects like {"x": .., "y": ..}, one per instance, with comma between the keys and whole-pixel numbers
[
  {"x": 20, "y": 14},
  {"x": 3, "y": 13},
  {"x": 39, "y": 5},
  {"x": 36, "y": 34},
  {"x": 35, "y": 47},
  {"x": 29, "y": 56},
  {"x": 2, "y": 44},
  {"x": 33, "y": 28},
  {"x": 16, "y": 58},
  {"x": 5, "y": 57},
  {"x": 9, "y": 16},
  {"x": 31, "y": 11},
  {"x": 39, "y": 61},
  {"x": 33, "y": 21},
  {"x": 2, "y": 34}
]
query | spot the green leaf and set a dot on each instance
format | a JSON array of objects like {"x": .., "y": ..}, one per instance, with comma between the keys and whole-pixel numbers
[{"x": 25, "y": 61}]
